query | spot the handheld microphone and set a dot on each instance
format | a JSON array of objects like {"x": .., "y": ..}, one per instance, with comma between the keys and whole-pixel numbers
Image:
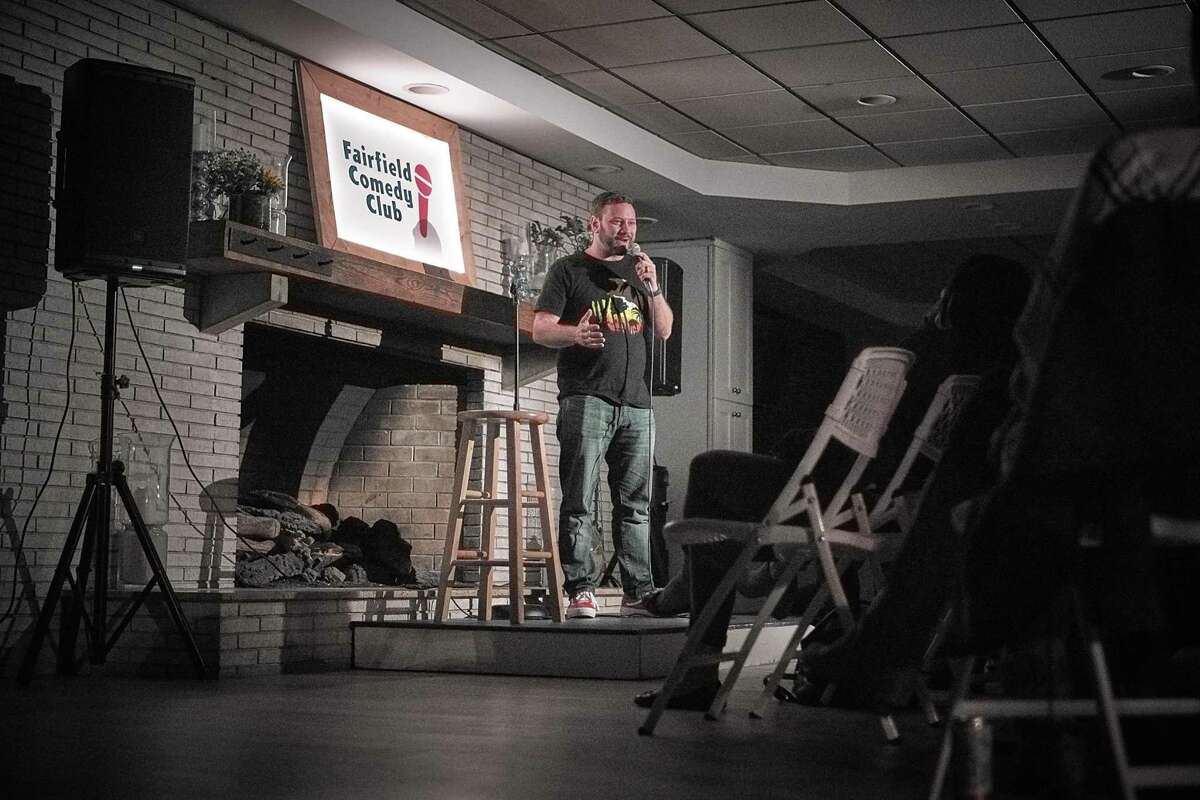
[{"x": 634, "y": 249}]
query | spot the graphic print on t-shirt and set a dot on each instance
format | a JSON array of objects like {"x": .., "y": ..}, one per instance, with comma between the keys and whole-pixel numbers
[{"x": 615, "y": 313}]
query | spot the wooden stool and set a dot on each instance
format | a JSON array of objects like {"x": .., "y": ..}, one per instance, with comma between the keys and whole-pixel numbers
[{"x": 519, "y": 498}]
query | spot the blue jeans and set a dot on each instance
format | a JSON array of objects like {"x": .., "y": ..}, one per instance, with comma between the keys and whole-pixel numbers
[{"x": 590, "y": 429}]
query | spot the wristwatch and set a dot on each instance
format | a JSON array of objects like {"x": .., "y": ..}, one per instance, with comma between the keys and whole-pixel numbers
[{"x": 657, "y": 291}]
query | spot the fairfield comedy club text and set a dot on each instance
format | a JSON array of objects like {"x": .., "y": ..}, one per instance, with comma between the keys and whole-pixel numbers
[{"x": 386, "y": 182}]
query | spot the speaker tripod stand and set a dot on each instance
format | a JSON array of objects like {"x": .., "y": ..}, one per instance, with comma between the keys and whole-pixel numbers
[{"x": 92, "y": 525}]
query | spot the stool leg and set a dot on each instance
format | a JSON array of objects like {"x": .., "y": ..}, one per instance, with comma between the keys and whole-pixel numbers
[
  {"x": 516, "y": 527},
  {"x": 487, "y": 543},
  {"x": 549, "y": 524},
  {"x": 462, "y": 472}
]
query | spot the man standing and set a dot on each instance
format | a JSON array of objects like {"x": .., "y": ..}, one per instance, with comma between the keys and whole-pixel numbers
[{"x": 601, "y": 308}]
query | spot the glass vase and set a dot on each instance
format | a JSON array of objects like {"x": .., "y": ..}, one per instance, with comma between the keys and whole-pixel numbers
[
  {"x": 203, "y": 204},
  {"x": 251, "y": 208},
  {"x": 147, "y": 460},
  {"x": 278, "y": 210}
]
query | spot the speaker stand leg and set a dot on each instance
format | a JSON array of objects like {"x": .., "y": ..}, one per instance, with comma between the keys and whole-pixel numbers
[{"x": 83, "y": 519}]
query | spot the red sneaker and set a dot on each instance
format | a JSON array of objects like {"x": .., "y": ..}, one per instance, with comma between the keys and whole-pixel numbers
[{"x": 583, "y": 606}]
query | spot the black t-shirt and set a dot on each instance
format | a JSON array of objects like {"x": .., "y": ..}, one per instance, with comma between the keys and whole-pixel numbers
[{"x": 618, "y": 372}]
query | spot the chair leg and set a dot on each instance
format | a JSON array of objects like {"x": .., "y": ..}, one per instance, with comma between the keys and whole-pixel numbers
[
  {"x": 462, "y": 472},
  {"x": 699, "y": 625},
  {"x": 1104, "y": 697},
  {"x": 962, "y": 685},
  {"x": 760, "y": 619},
  {"x": 790, "y": 652}
]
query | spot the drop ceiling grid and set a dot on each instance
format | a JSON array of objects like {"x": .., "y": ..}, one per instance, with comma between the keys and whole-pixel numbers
[{"x": 750, "y": 79}]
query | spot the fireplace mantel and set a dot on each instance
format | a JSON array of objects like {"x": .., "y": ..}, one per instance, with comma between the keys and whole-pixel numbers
[{"x": 241, "y": 272}]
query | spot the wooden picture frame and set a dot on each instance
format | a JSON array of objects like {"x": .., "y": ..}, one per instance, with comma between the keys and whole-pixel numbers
[{"x": 313, "y": 81}]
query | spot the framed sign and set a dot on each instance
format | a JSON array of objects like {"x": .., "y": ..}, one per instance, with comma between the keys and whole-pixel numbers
[{"x": 386, "y": 177}]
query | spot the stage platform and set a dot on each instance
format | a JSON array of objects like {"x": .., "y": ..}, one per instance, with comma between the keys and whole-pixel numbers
[{"x": 609, "y": 646}]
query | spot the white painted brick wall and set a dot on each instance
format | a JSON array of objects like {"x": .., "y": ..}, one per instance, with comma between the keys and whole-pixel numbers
[{"x": 248, "y": 87}]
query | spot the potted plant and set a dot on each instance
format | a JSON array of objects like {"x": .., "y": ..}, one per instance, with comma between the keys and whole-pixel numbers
[{"x": 247, "y": 184}]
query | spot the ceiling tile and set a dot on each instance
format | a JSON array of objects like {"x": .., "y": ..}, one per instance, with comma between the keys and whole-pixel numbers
[
  {"x": 1167, "y": 102},
  {"x": 643, "y": 42},
  {"x": 753, "y": 108},
  {"x": 746, "y": 159},
  {"x": 945, "y": 151},
  {"x": 1039, "y": 115},
  {"x": 840, "y": 159},
  {"x": 973, "y": 49},
  {"x": 773, "y": 27},
  {"x": 1126, "y": 32},
  {"x": 788, "y": 136},
  {"x": 698, "y": 6},
  {"x": 938, "y": 123},
  {"x": 706, "y": 144},
  {"x": 1048, "y": 9},
  {"x": 841, "y": 99},
  {"x": 471, "y": 17},
  {"x": 1165, "y": 122},
  {"x": 888, "y": 18},
  {"x": 1003, "y": 84},
  {"x": 697, "y": 77},
  {"x": 543, "y": 53},
  {"x": 605, "y": 86},
  {"x": 831, "y": 63},
  {"x": 1068, "y": 140},
  {"x": 550, "y": 15},
  {"x": 1093, "y": 71},
  {"x": 659, "y": 118}
]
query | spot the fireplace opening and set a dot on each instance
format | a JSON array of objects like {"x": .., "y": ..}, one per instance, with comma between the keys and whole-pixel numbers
[{"x": 347, "y": 460}]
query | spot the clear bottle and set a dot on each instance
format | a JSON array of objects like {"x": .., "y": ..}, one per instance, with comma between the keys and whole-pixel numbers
[{"x": 278, "y": 212}]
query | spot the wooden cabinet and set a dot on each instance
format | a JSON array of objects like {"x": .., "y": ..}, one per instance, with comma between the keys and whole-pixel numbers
[
  {"x": 717, "y": 357},
  {"x": 731, "y": 347},
  {"x": 731, "y": 426}
]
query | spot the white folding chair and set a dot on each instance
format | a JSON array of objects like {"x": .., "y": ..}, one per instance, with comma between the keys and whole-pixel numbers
[
  {"x": 897, "y": 504},
  {"x": 857, "y": 418}
]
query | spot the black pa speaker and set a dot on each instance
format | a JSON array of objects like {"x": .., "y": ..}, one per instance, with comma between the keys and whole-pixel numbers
[
  {"x": 123, "y": 173},
  {"x": 666, "y": 379}
]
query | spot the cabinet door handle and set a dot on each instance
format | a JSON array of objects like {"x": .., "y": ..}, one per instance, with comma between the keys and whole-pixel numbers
[
  {"x": 737, "y": 390},
  {"x": 737, "y": 415}
]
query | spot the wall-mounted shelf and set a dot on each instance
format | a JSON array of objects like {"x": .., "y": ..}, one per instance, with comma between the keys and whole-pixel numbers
[{"x": 241, "y": 272}]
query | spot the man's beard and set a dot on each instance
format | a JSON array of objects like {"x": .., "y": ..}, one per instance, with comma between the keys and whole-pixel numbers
[{"x": 613, "y": 246}]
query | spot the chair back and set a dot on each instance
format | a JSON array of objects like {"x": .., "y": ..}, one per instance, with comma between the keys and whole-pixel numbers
[
  {"x": 858, "y": 418},
  {"x": 928, "y": 442}
]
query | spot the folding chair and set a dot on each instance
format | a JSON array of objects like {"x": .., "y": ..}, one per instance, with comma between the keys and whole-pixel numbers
[
  {"x": 1165, "y": 532},
  {"x": 857, "y": 418},
  {"x": 897, "y": 504}
]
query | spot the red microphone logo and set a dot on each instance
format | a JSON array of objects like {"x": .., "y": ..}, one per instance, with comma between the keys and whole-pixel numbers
[{"x": 424, "y": 188}]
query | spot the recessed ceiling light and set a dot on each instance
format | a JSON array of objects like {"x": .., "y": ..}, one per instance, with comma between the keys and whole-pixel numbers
[
  {"x": 876, "y": 100},
  {"x": 978, "y": 205},
  {"x": 647, "y": 220},
  {"x": 1152, "y": 71},
  {"x": 602, "y": 169},
  {"x": 427, "y": 88}
]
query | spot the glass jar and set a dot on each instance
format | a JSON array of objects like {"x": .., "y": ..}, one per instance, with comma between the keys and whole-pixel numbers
[{"x": 147, "y": 460}]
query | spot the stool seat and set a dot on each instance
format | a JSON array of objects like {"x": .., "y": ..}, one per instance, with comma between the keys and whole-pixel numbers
[
  {"x": 539, "y": 417},
  {"x": 488, "y": 499}
]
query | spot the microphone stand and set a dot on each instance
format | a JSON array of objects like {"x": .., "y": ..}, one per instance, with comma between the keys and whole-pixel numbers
[{"x": 518, "y": 287}]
